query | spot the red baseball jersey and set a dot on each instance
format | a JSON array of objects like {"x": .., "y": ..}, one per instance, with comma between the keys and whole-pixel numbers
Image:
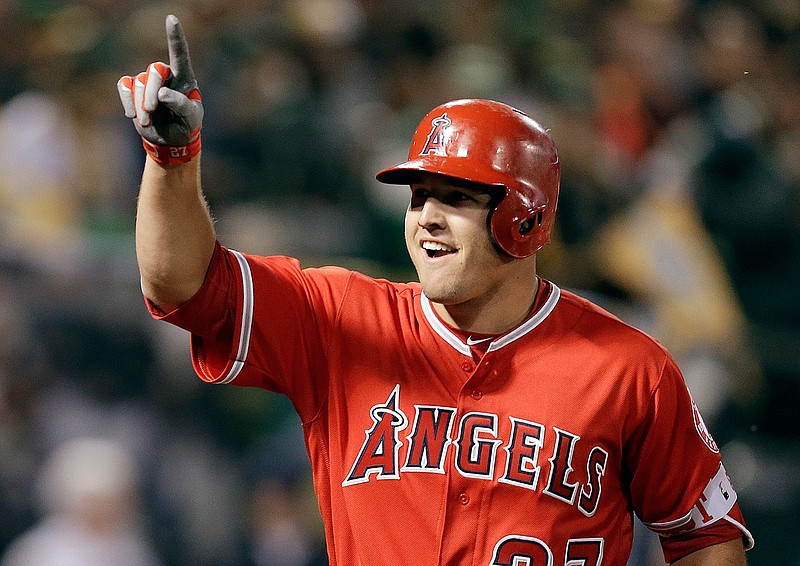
[{"x": 536, "y": 451}]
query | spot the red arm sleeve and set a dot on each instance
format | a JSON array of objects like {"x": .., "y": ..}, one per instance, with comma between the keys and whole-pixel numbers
[
  {"x": 263, "y": 322},
  {"x": 679, "y": 487}
]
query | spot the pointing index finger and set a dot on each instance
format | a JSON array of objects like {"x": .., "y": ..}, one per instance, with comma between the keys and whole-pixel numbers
[{"x": 179, "y": 62}]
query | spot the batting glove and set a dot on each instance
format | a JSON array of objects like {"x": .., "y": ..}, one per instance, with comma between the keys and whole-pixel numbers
[{"x": 165, "y": 104}]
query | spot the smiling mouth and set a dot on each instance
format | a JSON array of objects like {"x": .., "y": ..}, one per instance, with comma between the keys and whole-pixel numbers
[{"x": 436, "y": 249}]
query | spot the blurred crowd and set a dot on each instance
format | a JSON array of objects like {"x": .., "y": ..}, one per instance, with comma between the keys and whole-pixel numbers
[{"x": 678, "y": 127}]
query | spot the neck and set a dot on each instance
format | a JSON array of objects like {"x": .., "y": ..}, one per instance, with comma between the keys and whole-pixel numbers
[{"x": 493, "y": 313}]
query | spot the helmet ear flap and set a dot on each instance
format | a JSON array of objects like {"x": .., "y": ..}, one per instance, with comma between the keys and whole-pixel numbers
[
  {"x": 516, "y": 225},
  {"x": 530, "y": 223}
]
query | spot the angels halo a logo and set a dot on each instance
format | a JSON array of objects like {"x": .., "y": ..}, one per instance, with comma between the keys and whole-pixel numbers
[
  {"x": 700, "y": 425},
  {"x": 435, "y": 142}
]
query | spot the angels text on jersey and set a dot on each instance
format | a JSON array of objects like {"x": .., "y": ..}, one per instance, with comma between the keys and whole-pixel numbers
[{"x": 473, "y": 437}]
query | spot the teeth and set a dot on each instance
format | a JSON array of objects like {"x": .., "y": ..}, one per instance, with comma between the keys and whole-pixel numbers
[{"x": 436, "y": 247}]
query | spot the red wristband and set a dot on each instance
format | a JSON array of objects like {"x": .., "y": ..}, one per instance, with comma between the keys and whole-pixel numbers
[{"x": 173, "y": 154}]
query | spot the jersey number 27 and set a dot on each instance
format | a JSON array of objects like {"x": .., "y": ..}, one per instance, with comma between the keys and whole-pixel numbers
[{"x": 518, "y": 550}]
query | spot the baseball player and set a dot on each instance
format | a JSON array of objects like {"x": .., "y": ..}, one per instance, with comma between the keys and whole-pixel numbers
[{"x": 481, "y": 416}]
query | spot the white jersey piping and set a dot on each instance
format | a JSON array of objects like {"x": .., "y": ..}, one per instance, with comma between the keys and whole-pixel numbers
[
  {"x": 447, "y": 335},
  {"x": 440, "y": 328},
  {"x": 246, "y": 328}
]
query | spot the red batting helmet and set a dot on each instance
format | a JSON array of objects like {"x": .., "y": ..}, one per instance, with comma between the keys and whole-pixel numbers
[{"x": 490, "y": 143}]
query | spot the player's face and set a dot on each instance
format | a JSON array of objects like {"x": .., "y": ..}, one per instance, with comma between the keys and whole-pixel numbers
[{"x": 448, "y": 241}]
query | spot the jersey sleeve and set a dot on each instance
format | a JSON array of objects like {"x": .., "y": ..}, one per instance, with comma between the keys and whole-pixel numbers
[
  {"x": 263, "y": 322},
  {"x": 679, "y": 487}
]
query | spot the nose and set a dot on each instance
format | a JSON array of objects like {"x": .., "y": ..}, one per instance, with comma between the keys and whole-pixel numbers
[{"x": 431, "y": 215}]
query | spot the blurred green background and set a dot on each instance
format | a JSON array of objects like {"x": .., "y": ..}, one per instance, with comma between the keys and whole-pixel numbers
[{"x": 678, "y": 127}]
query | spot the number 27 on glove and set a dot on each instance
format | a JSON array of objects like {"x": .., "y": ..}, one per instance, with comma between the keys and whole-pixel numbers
[{"x": 165, "y": 103}]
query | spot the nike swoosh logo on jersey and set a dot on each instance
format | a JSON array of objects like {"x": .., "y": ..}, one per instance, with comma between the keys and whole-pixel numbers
[{"x": 471, "y": 342}]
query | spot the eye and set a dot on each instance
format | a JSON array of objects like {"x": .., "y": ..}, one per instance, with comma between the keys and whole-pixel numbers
[
  {"x": 455, "y": 198},
  {"x": 469, "y": 199},
  {"x": 418, "y": 197}
]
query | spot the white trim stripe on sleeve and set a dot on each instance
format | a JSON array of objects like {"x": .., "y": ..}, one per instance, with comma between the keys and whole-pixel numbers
[
  {"x": 246, "y": 328},
  {"x": 717, "y": 500}
]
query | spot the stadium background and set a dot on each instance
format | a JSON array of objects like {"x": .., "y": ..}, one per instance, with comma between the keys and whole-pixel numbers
[{"x": 678, "y": 124}]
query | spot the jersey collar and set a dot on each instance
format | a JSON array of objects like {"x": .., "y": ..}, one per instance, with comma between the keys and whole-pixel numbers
[{"x": 504, "y": 339}]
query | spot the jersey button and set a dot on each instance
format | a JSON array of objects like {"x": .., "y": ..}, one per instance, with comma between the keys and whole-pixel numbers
[
  {"x": 463, "y": 499},
  {"x": 467, "y": 366},
  {"x": 476, "y": 394}
]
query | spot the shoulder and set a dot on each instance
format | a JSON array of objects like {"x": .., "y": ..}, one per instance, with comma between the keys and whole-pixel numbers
[
  {"x": 334, "y": 284},
  {"x": 604, "y": 332},
  {"x": 359, "y": 282}
]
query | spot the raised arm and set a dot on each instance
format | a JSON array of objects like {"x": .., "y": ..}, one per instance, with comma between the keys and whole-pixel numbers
[{"x": 174, "y": 230}]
